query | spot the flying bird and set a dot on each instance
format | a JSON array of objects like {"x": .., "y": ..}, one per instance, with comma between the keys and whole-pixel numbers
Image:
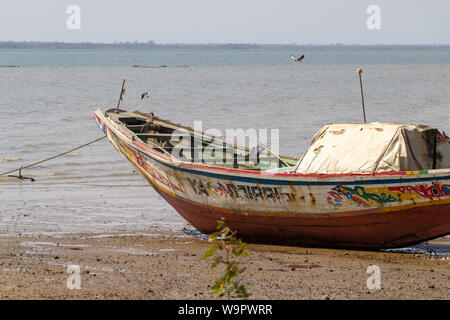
[
  {"x": 298, "y": 59},
  {"x": 144, "y": 95}
]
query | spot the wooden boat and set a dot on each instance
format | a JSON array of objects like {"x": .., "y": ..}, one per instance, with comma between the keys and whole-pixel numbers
[{"x": 264, "y": 204}]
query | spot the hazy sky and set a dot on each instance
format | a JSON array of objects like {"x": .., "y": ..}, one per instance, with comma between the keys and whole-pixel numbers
[{"x": 224, "y": 21}]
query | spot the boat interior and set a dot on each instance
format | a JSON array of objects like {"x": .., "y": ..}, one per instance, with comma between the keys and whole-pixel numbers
[{"x": 186, "y": 144}]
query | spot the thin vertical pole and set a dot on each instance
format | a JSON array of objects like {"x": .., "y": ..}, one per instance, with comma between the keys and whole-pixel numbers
[
  {"x": 121, "y": 94},
  {"x": 359, "y": 70}
]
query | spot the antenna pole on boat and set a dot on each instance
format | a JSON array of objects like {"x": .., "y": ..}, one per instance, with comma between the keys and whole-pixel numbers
[
  {"x": 359, "y": 71},
  {"x": 121, "y": 94}
]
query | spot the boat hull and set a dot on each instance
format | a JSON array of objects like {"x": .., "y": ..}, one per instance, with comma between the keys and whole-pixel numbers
[
  {"x": 370, "y": 231},
  {"x": 339, "y": 211}
]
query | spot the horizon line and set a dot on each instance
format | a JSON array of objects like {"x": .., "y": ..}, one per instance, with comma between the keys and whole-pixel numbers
[{"x": 153, "y": 43}]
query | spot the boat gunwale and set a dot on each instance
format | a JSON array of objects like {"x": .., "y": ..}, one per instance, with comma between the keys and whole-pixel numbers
[{"x": 424, "y": 175}]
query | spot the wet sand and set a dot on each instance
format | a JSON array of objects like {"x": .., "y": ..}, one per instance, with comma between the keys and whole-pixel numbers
[{"x": 169, "y": 265}]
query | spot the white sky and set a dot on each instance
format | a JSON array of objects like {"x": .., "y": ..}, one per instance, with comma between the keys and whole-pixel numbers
[{"x": 225, "y": 21}]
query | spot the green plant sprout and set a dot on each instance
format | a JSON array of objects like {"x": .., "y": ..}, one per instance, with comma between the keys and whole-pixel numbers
[{"x": 228, "y": 284}]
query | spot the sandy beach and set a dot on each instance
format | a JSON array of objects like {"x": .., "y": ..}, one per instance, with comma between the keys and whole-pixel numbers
[{"x": 169, "y": 265}]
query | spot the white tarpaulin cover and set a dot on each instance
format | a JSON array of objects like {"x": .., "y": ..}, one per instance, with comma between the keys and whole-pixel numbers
[{"x": 374, "y": 147}]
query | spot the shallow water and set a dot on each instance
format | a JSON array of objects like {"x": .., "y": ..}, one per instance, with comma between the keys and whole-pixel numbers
[
  {"x": 436, "y": 251},
  {"x": 46, "y": 110}
]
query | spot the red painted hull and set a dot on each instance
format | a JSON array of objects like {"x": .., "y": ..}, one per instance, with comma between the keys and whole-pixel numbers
[{"x": 369, "y": 231}]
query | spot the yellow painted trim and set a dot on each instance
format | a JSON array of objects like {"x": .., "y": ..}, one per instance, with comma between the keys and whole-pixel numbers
[{"x": 429, "y": 203}]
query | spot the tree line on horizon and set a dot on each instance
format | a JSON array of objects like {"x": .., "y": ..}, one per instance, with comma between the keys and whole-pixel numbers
[{"x": 152, "y": 44}]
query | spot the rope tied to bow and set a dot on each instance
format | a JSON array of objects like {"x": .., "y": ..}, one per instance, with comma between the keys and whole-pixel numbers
[{"x": 20, "y": 176}]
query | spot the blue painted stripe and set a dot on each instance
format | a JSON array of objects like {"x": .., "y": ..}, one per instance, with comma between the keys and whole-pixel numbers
[
  {"x": 265, "y": 181},
  {"x": 299, "y": 182}
]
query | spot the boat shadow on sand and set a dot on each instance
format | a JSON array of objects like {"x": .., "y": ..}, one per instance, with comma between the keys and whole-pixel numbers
[{"x": 431, "y": 249}]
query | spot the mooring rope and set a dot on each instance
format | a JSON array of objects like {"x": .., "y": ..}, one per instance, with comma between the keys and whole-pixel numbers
[{"x": 53, "y": 157}]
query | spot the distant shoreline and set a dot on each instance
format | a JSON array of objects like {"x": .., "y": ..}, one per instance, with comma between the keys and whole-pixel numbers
[{"x": 152, "y": 44}]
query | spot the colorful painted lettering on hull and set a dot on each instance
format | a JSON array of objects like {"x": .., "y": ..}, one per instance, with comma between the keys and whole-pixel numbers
[
  {"x": 435, "y": 190},
  {"x": 381, "y": 196},
  {"x": 240, "y": 191}
]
